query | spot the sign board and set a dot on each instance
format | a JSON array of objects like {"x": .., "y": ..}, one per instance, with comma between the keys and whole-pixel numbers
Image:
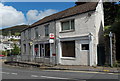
[
  {"x": 31, "y": 43},
  {"x": 51, "y": 40},
  {"x": 51, "y": 35}
]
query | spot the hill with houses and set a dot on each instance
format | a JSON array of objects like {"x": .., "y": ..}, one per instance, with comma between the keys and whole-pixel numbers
[{"x": 15, "y": 30}]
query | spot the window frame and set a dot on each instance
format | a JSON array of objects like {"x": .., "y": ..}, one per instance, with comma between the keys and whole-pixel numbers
[
  {"x": 70, "y": 23},
  {"x": 29, "y": 33},
  {"x": 24, "y": 48},
  {"x": 36, "y": 33},
  {"x": 68, "y": 57},
  {"x": 47, "y": 28},
  {"x": 84, "y": 44}
]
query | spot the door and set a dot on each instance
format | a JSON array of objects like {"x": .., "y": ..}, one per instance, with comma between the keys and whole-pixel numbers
[
  {"x": 84, "y": 52},
  {"x": 42, "y": 50}
]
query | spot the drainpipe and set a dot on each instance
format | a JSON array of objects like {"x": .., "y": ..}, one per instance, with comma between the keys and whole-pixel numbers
[
  {"x": 33, "y": 52},
  {"x": 90, "y": 49}
]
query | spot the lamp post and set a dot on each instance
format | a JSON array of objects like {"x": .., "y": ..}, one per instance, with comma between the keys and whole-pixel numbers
[
  {"x": 90, "y": 49},
  {"x": 111, "y": 35}
]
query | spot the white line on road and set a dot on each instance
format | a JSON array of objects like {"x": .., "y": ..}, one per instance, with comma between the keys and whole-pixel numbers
[
  {"x": 8, "y": 73},
  {"x": 34, "y": 76},
  {"x": 5, "y": 72},
  {"x": 53, "y": 77},
  {"x": 14, "y": 73}
]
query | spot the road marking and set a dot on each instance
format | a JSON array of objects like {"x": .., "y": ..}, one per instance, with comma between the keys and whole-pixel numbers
[
  {"x": 5, "y": 72},
  {"x": 9, "y": 73},
  {"x": 53, "y": 77},
  {"x": 34, "y": 76},
  {"x": 14, "y": 73}
]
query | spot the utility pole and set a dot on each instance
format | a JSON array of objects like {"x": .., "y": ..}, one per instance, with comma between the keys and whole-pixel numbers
[{"x": 111, "y": 61}]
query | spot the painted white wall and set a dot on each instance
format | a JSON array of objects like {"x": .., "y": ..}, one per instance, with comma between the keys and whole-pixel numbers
[{"x": 84, "y": 25}]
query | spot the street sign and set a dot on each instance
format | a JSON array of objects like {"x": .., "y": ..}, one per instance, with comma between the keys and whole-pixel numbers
[
  {"x": 51, "y": 40},
  {"x": 51, "y": 35},
  {"x": 31, "y": 43}
]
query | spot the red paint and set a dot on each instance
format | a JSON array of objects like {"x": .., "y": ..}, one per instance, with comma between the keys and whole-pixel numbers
[{"x": 53, "y": 54}]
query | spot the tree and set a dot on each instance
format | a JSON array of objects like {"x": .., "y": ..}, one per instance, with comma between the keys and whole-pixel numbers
[
  {"x": 110, "y": 12},
  {"x": 15, "y": 50},
  {"x": 112, "y": 23}
]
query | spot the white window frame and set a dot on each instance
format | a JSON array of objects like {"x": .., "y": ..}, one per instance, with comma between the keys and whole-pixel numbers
[
  {"x": 81, "y": 47},
  {"x": 70, "y": 25},
  {"x": 83, "y": 41}
]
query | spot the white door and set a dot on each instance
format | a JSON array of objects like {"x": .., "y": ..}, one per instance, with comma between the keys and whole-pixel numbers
[{"x": 84, "y": 52}]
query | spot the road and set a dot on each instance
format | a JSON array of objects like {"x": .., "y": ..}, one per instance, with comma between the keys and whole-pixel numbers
[{"x": 12, "y": 72}]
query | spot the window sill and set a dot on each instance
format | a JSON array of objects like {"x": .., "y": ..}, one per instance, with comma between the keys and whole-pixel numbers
[
  {"x": 65, "y": 31},
  {"x": 68, "y": 58}
]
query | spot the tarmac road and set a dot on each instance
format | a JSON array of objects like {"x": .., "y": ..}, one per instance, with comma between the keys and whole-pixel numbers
[{"x": 10, "y": 72}]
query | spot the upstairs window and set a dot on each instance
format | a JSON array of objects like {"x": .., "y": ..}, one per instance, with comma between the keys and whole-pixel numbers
[
  {"x": 29, "y": 33},
  {"x": 36, "y": 32},
  {"x": 68, "y": 25},
  {"x": 46, "y": 30}
]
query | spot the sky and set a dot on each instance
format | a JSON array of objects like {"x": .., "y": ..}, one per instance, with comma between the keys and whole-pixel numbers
[{"x": 19, "y": 13}]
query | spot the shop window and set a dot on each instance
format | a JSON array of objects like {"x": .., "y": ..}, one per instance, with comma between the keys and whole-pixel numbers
[
  {"x": 68, "y": 49},
  {"x": 47, "y": 50},
  {"x": 36, "y": 50},
  {"x": 85, "y": 46}
]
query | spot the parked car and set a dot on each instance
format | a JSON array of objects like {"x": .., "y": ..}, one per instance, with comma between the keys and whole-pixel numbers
[{"x": 2, "y": 56}]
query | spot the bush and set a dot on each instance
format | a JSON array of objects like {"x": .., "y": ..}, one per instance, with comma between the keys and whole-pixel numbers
[
  {"x": 3, "y": 53},
  {"x": 15, "y": 50}
]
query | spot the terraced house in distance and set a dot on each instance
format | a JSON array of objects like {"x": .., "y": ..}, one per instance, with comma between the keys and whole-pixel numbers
[{"x": 76, "y": 36}]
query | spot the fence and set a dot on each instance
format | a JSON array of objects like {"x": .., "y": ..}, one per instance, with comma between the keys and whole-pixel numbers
[{"x": 30, "y": 58}]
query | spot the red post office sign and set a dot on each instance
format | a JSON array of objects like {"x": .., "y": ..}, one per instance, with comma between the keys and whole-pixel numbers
[{"x": 51, "y": 35}]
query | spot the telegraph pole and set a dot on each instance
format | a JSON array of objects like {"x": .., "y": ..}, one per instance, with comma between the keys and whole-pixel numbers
[{"x": 111, "y": 61}]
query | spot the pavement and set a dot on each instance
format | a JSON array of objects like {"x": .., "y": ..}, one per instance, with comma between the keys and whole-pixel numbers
[
  {"x": 84, "y": 68},
  {"x": 71, "y": 67}
]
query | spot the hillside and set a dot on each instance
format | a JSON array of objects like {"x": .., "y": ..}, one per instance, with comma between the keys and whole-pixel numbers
[{"x": 15, "y": 30}]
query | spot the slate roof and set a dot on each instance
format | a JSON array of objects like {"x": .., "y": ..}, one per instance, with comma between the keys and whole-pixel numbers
[{"x": 89, "y": 6}]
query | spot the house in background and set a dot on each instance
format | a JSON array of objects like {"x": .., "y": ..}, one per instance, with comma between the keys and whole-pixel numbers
[
  {"x": 6, "y": 42},
  {"x": 78, "y": 36},
  {"x": 9, "y": 37}
]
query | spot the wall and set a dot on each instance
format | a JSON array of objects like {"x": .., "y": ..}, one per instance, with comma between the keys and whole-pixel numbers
[
  {"x": 42, "y": 39},
  {"x": 84, "y": 25}
]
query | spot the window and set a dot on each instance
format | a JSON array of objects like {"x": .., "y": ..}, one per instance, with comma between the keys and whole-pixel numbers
[
  {"x": 68, "y": 49},
  {"x": 29, "y": 34},
  {"x": 36, "y": 32},
  {"x": 68, "y": 25},
  {"x": 24, "y": 48},
  {"x": 25, "y": 35},
  {"x": 36, "y": 50},
  {"x": 47, "y": 50},
  {"x": 85, "y": 46},
  {"x": 46, "y": 30}
]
